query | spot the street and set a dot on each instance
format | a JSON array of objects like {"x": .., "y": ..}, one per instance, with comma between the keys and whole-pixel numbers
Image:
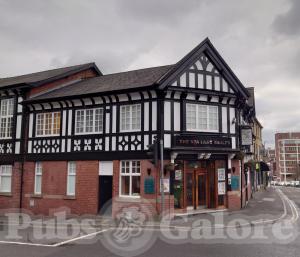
[{"x": 264, "y": 238}]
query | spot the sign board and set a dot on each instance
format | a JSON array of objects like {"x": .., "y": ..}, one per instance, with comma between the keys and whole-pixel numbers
[
  {"x": 221, "y": 188},
  {"x": 166, "y": 183},
  {"x": 178, "y": 175},
  {"x": 106, "y": 168},
  {"x": 235, "y": 183},
  {"x": 221, "y": 174},
  {"x": 246, "y": 136},
  {"x": 149, "y": 185},
  {"x": 202, "y": 141}
]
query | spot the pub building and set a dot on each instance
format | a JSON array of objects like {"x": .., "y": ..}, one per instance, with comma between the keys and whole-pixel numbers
[{"x": 75, "y": 138}]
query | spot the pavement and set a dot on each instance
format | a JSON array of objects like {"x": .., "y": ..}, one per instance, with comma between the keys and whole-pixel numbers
[{"x": 268, "y": 226}]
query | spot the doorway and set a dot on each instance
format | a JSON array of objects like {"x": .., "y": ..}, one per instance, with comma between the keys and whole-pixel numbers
[
  {"x": 196, "y": 189},
  {"x": 105, "y": 194}
]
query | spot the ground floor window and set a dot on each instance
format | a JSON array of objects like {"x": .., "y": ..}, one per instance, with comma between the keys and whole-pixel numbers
[
  {"x": 71, "y": 180},
  {"x": 130, "y": 178},
  {"x": 38, "y": 178},
  {"x": 5, "y": 178}
]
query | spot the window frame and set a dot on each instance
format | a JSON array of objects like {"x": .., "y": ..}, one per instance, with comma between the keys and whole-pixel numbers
[
  {"x": 130, "y": 175},
  {"x": 38, "y": 172},
  {"x": 72, "y": 172},
  {"x": 85, "y": 123},
  {"x": 44, "y": 124},
  {"x": 6, "y": 175},
  {"x": 208, "y": 114},
  {"x": 8, "y": 134},
  {"x": 131, "y": 118}
]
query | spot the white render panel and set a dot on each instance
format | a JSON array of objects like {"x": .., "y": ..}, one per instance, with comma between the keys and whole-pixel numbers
[
  {"x": 200, "y": 81},
  {"x": 214, "y": 99},
  {"x": 167, "y": 140},
  {"x": 107, "y": 123},
  {"x": 19, "y": 126},
  {"x": 192, "y": 80},
  {"x": 224, "y": 120},
  {"x": 177, "y": 116},
  {"x": 106, "y": 168},
  {"x": 167, "y": 115},
  {"x": 70, "y": 123},
  {"x": 29, "y": 146},
  {"x": 64, "y": 122},
  {"x": 30, "y": 124},
  {"x": 114, "y": 117},
  {"x": 113, "y": 144},
  {"x": 146, "y": 142},
  {"x": 182, "y": 80},
  {"x": 146, "y": 116},
  {"x": 17, "y": 148},
  {"x": 135, "y": 96},
  {"x": 225, "y": 86},
  {"x": 154, "y": 115},
  {"x": 232, "y": 116},
  {"x": 203, "y": 98},
  {"x": 87, "y": 101},
  {"x": 190, "y": 96},
  {"x": 69, "y": 145},
  {"x": 233, "y": 142},
  {"x": 98, "y": 100},
  {"x": 217, "y": 84},
  {"x": 63, "y": 145},
  {"x": 208, "y": 82},
  {"x": 106, "y": 143}
]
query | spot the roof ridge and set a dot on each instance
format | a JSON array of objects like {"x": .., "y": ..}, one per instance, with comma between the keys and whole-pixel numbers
[{"x": 55, "y": 69}]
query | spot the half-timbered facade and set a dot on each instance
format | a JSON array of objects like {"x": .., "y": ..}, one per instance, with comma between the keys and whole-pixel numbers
[{"x": 84, "y": 141}]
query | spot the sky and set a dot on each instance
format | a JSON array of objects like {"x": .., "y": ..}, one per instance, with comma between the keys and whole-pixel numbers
[{"x": 259, "y": 39}]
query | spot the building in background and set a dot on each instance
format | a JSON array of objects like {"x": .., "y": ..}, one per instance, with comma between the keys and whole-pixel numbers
[
  {"x": 287, "y": 146},
  {"x": 270, "y": 159}
]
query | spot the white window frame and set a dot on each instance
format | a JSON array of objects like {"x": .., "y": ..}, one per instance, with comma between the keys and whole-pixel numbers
[
  {"x": 38, "y": 173},
  {"x": 72, "y": 172},
  {"x": 53, "y": 124},
  {"x": 139, "y": 116},
  {"x": 130, "y": 175},
  {"x": 208, "y": 107},
  {"x": 85, "y": 119},
  {"x": 6, "y": 115},
  {"x": 4, "y": 173}
]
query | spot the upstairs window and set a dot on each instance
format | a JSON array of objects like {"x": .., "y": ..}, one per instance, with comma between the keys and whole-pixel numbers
[
  {"x": 89, "y": 121},
  {"x": 48, "y": 124},
  {"x": 130, "y": 117},
  {"x": 5, "y": 178},
  {"x": 202, "y": 118},
  {"x": 6, "y": 117}
]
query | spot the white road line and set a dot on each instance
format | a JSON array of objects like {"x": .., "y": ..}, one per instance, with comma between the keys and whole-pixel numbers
[{"x": 80, "y": 237}]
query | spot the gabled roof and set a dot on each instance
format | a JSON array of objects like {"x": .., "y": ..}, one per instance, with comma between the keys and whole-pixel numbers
[
  {"x": 112, "y": 82},
  {"x": 210, "y": 51},
  {"x": 38, "y": 78}
]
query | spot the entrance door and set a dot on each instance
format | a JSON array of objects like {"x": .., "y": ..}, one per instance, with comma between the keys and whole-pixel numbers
[
  {"x": 202, "y": 191},
  {"x": 105, "y": 194},
  {"x": 196, "y": 190}
]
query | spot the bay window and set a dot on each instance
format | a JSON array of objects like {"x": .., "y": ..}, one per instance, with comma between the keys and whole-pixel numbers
[
  {"x": 202, "y": 118},
  {"x": 130, "y": 117},
  {"x": 5, "y": 178},
  {"x": 71, "y": 179},
  {"x": 6, "y": 117},
  {"x": 89, "y": 121},
  {"x": 48, "y": 124},
  {"x": 130, "y": 178}
]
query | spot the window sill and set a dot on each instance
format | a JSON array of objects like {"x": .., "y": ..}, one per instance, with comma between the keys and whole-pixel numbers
[
  {"x": 9, "y": 194},
  {"x": 36, "y": 196},
  {"x": 125, "y": 198},
  {"x": 69, "y": 197}
]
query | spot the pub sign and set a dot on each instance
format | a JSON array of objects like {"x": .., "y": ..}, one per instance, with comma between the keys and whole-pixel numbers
[{"x": 202, "y": 141}]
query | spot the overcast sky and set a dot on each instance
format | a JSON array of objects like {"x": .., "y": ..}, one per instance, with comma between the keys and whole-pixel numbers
[{"x": 259, "y": 39}]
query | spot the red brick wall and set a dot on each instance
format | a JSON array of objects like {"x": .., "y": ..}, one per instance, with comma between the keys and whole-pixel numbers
[
  {"x": 54, "y": 186},
  {"x": 234, "y": 197},
  {"x": 12, "y": 200},
  {"x": 80, "y": 75}
]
